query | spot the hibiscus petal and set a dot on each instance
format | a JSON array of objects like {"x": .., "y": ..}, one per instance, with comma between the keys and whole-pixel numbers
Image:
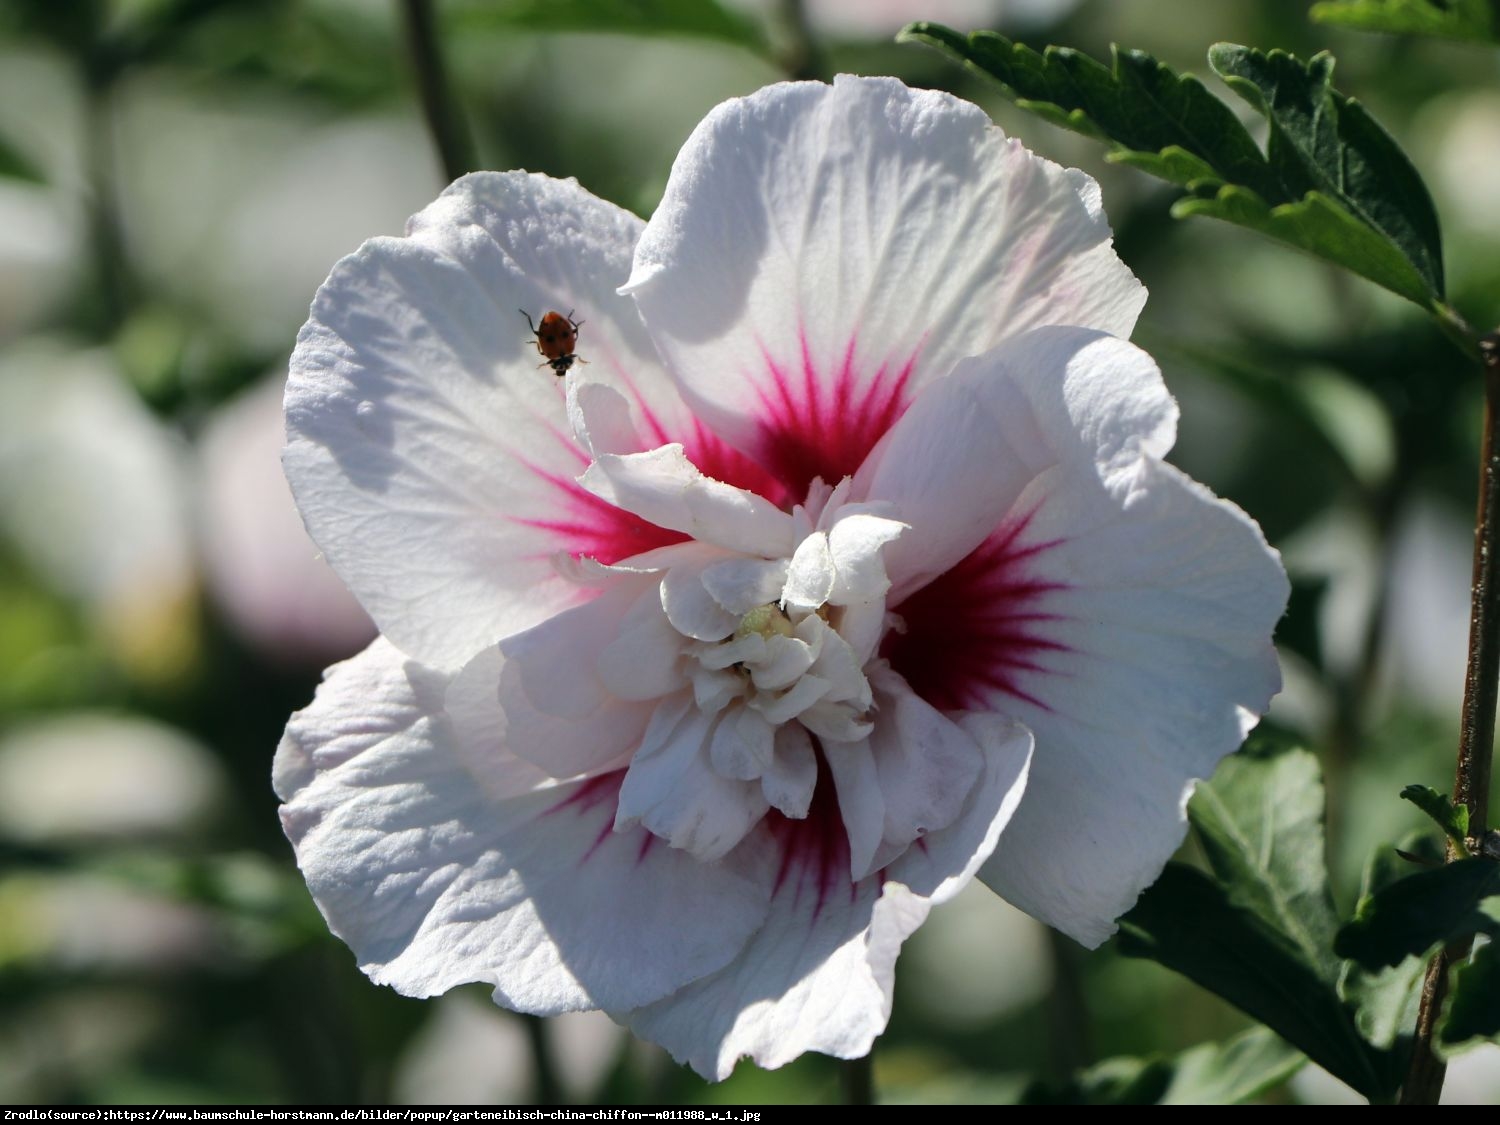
[
  {"x": 672, "y": 789},
  {"x": 553, "y": 659},
  {"x": 810, "y": 577},
  {"x": 740, "y": 585},
  {"x": 432, "y": 461},
  {"x": 789, "y": 781},
  {"x": 910, "y": 777},
  {"x": 823, "y": 252},
  {"x": 818, "y": 975},
  {"x": 925, "y": 762},
  {"x": 1162, "y": 666},
  {"x": 557, "y": 709},
  {"x": 664, "y": 488},
  {"x": 854, "y": 544},
  {"x": 744, "y": 744},
  {"x": 1059, "y": 572},
  {"x": 785, "y": 660},
  {"x": 645, "y": 660},
  {"x": 958, "y": 461},
  {"x": 691, "y": 609},
  {"x": 434, "y": 880}
]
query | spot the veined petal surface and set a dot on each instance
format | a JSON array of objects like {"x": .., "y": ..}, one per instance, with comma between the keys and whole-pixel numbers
[
  {"x": 1091, "y": 591},
  {"x": 441, "y": 863},
  {"x": 823, "y": 252},
  {"x": 432, "y": 461}
]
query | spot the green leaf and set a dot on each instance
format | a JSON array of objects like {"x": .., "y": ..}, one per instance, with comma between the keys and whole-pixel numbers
[
  {"x": 15, "y": 166},
  {"x": 1324, "y": 142},
  {"x": 703, "y": 19},
  {"x": 1318, "y": 225},
  {"x": 1474, "y": 21},
  {"x": 1260, "y": 933},
  {"x": 1331, "y": 182},
  {"x": 1385, "y": 1000},
  {"x": 1187, "y": 922},
  {"x": 1209, "y": 1074},
  {"x": 1121, "y": 1081},
  {"x": 1472, "y": 1015},
  {"x": 1415, "y": 914},
  {"x": 1260, "y": 821},
  {"x": 1452, "y": 819},
  {"x": 1155, "y": 119},
  {"x": 1233, "y": 1072}
]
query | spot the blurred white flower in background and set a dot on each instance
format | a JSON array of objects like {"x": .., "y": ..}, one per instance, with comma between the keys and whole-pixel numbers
[
  {"x": 86, "y": 777},
  {"x": 236, "y": 207},
  {"x": 93, "y": 498},
  {"x": 261, "y": 567}
]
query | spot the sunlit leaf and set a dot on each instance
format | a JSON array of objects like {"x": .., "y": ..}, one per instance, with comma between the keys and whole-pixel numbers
[
  {"x": 1260, "y": 821},
  {"x": 1452, "y": 819},
  {"x": 1260, "y": 932},
  {"x": 1232, "y": 1072},
  {"x": 1475, "y": 21},
  {"x": 1226, "y": 1073},
  {"x": 1331, "y": 182},
  {"x": 1326, "y": 149}
]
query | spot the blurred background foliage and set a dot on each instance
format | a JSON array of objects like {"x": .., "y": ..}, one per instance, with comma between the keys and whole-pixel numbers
[{"x": 177, "y": 177}]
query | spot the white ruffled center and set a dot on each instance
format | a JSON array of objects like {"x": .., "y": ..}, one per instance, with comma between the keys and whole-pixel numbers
[{"x": 762, "y": 645}]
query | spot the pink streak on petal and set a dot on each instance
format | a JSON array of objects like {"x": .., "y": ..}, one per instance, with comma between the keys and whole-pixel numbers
[
  {"x": 591, "y": 794},
  {"x": 715, "y": 458},
  {"x": 586, "y": 525},
  {"x": 981, "y": 629},
  {"x": 711, "y": 454},
  {"x": 602, "y": 791},
  {"x": 649, "y": 840},
  {"x": 822, "y": 423},
  {"x": 815, "y": 849}
]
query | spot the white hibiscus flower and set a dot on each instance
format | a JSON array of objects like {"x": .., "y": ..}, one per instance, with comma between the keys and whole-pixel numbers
[{"x": 707, "y": 669}]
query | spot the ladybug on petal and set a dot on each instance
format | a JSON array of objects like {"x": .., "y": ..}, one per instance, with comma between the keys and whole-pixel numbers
[{"x": 555, "y": 340}]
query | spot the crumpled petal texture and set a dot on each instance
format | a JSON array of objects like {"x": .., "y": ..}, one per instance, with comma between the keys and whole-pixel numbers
[{"x": 845, "y": 568}]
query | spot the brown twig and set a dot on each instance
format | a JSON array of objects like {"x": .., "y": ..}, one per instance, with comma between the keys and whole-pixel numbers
[{"x": 1476, "y": 734}]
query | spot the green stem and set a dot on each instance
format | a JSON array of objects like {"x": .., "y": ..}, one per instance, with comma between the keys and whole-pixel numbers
[
  {"x": 859, "y": 1080},
  {"x": 801, "y": 59},
  {"x": 450, "y": 136},
  {"x": 1457, "y": 329},
  {"x": 107, "y": 233},
  {"x": 1068, "y": 1046},
  {"x": 546, "y": 1086},
  {"x": 1476, "y": 734}
]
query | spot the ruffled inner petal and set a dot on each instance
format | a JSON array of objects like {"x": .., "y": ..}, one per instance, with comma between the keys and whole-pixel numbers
[
  {"x": 672, "y": 789},
  {"x": 818, "y": 976}
]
